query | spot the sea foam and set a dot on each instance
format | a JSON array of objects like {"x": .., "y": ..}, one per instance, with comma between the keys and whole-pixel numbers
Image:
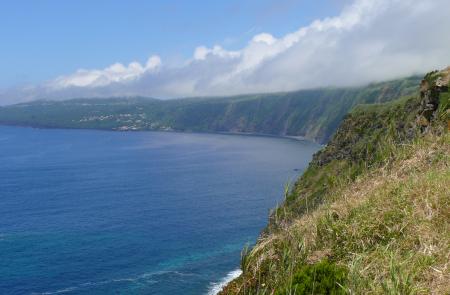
[{"x": 215, "y": 288}]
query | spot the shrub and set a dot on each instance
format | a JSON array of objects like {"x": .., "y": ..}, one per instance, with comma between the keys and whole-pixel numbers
[{"x": 320, "y": 278}]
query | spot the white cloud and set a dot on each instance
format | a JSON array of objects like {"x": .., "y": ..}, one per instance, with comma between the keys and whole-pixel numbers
[
  {"x": 114, "y": 73},
  {"x": 202, "y": 52},
  {"x": 370, "y": 40},
  {"x": 264, "y": 38}
]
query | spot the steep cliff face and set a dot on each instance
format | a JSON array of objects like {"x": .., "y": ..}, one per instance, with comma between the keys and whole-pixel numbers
[
  {"x": 370, "y": 214},
  {"x": 434, "y": 94},
  {"x": 314, "y": 114},
  {"x": 357, "y": 136}
]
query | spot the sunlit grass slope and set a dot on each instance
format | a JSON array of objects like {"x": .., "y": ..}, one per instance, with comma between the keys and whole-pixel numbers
[{"x": 371, "y": 215}]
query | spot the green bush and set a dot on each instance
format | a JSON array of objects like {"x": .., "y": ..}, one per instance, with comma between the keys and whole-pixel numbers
[{"x": 320, "y": 278}]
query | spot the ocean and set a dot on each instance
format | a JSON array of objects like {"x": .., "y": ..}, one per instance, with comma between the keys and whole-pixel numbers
[{"x": 99, "y": 212}]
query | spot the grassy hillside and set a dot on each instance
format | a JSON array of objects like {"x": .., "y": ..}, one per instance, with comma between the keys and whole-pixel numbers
[
  {"x": 371, "y": 213},
  {"x": 314, "y": 114}
]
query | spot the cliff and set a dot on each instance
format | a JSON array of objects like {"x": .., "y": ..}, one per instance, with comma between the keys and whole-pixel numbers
[
  {"x": 314, "y": 114},
  {"x": 370, "y": 214}
]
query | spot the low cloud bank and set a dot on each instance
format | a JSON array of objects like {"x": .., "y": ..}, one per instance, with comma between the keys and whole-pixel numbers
[{"x": 370, "y": 40}]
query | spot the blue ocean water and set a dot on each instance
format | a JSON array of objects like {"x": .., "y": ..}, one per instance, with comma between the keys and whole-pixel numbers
[{"x": 97, "y": 212}]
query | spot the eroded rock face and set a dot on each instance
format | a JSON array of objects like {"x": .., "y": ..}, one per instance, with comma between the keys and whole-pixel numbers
[
  {"x": 357, "y": 137},
  {"x": 431, "y": 87}
]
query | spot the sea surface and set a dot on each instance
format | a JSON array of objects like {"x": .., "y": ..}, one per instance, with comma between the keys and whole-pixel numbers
[{"x": 98, "y": 212}]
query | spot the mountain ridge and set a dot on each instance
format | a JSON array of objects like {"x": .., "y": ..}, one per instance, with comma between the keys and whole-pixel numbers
[{"x": 312, "y": 114}]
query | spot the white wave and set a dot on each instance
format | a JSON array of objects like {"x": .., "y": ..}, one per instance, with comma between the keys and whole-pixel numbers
[
  {"x": 65, "y": 290},
  {"x": 146, "y": 279},
  {"x": 215, "y": 288}
]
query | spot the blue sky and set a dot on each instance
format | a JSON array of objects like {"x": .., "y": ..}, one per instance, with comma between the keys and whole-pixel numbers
[
  {"x": 46, "y": 38},
  {"x": 167, "y": 49}
]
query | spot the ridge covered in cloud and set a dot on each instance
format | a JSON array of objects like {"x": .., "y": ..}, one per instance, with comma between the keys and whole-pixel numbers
[{"x": 370, "y": 40}]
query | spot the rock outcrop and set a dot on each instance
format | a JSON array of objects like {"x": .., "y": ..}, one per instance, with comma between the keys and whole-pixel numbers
[{"x": 431, "y": 88}]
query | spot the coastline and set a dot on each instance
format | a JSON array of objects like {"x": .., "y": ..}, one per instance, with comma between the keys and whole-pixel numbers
[
  {"x": 217, "y": 287},
  {"x": 290, "y": 137}
]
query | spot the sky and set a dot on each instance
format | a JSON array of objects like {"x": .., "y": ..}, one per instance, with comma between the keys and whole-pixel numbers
[
  {"x": 46, "y": 38},
  {"x": 64, "y": 49}
]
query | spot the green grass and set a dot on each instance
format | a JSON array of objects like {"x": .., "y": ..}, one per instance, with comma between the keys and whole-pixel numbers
[
  {"x": 389, "y": 229},
  {"x": 320, "y": 278},
  {"x": 444, "y": 105},
  {"x": 374, "y": 203},
  {"x": 367, "y": 139}
]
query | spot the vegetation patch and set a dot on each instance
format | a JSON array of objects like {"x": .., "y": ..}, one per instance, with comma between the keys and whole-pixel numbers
[
  {"x": 320, "y": 278},
  {"x": 370, "y": 213}
]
